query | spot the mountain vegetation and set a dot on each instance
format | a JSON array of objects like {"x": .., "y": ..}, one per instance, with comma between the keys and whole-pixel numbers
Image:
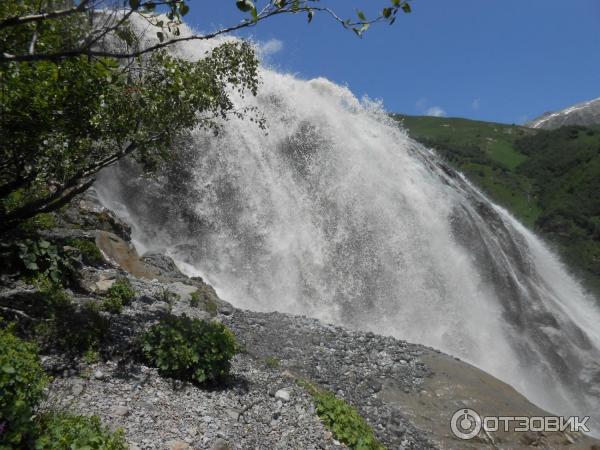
[{"x": 549, "y": 179}]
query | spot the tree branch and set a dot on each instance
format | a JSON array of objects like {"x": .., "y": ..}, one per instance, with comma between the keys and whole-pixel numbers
[
  {"x": 265, "y": 14},
  {"x": 20, "y": 20}
]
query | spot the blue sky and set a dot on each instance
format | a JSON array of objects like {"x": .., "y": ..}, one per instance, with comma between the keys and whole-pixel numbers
[{"x": 505, "y": 61}]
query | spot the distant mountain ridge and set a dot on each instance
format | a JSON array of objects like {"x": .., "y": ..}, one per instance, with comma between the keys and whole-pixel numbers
[{"x": 585, "y": 113}]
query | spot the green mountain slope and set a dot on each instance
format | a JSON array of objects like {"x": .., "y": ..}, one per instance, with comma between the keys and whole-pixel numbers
[{"x": 549, "y": 179}]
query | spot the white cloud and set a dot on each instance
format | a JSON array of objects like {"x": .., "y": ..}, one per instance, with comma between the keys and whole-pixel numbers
[
  {"x": 424, "y": 108},
  {"x": 475, "y": 104},
  {"x": 435, "y": 111},
  {"x": 270, "y": 47}
]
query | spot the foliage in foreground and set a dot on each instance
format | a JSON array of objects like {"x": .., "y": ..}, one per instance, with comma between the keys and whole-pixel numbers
[
  {"x": 63, "y": 120},
  {"x": 22, "y": 382},
  {"x": 190, "y": 349},
  {"x": 343, "y": 420},
  {"x": 62, "y": 431}
]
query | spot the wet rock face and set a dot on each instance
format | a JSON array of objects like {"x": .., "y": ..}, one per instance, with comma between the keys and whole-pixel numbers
[
  {"x": 164, "y": 264},
  {"x": 87, "y": 213}
]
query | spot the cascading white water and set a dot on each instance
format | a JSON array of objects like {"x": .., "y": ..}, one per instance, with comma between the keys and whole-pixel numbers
[{"x": 337, "y": 214}]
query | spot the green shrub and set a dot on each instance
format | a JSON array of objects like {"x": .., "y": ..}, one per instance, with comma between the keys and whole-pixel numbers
[
  {"x": 343, "y": 420},
  {"x": 119, "y": 294},
  {"x": 272, "y": 362},
  {"x": 122, "y": 290},
  {"x": 91, "y": 356},
  {"x": 40, "y": 257},
  {"x": 190, "y": 349},
  {"x": 74, "y": 330},
  {"x": 211, "y": 306},
  {"x": 198, "y": 297},
  {"x": 113, "y": 305},
  {"x": 195, "y": 299},
  {"x": 22, "y": 381},
  {"x": 90, "y": 253},
  {"x": 167, "y": 296},
  {"x": 64, "y": 431}
]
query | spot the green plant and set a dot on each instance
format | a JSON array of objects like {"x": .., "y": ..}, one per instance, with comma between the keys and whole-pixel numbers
[
  {"x": 210, "y": 305},
  {"x": 63, "y": 431},
  {"x": 272, "y": 362},
  {"x": 122, "y": 289},
  {"x": 40, "y": 256},
  {"x": 91, "y": 356},
  {"x": 195, "y": 299},
  {"x": 112, "y": 305},
  {"x": 198, "y": 297},
  {"x": 343, "y": 420},
  {"x": 69, "y": 327},
  {"x": 90, "y": 252},
  {"x": 166, "y": 295},
  {"x": 119, "y": 294},
  {"x": 190, "y": 349},
  {"x": 22, "y": 382}
]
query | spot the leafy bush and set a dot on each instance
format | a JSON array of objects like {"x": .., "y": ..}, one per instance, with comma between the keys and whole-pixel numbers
[
  {"x": 119, "y": 294},
  {"x": 190, "y": 349},
  {"x": 40, "y": 256},
  {"x": 198, "y": 297},
  {"x": 113, "y": 305},
  {"x": 167, "y": 296},
  {"x": 91, "y": 356},
  {"x": 70, "y": 328},
  {"x": 90, "y": 252},
  {"x": 123, "y": 290},
  {"x": 64, "y": 431},
  {"x": 343, "y": 420},
  {"x": 22, "y": 381},
  {"x": 272, "y": 362},
  {"x": 195, "y": 299}
]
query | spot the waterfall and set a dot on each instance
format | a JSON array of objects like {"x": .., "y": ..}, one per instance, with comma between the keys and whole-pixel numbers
[{"x": 334, "y": 212}]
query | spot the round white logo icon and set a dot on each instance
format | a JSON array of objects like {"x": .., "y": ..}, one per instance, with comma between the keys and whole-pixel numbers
[{"x": 465, "y": 423}]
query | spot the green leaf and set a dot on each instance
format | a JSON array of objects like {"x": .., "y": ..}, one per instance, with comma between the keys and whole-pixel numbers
[
  {"x": 161, "y": 36},
  {"x": 184, "y": 9},
  {"x": 361, "y": 15},
  {"x": 134, "y": 4},
  {"x": 245, "y": 5},
  {"x": 406, "y": 7},
  {"x": 387, "y": 12},
  {"x": 32, "y": 266},
  {"x": 310, "y": 15}
]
